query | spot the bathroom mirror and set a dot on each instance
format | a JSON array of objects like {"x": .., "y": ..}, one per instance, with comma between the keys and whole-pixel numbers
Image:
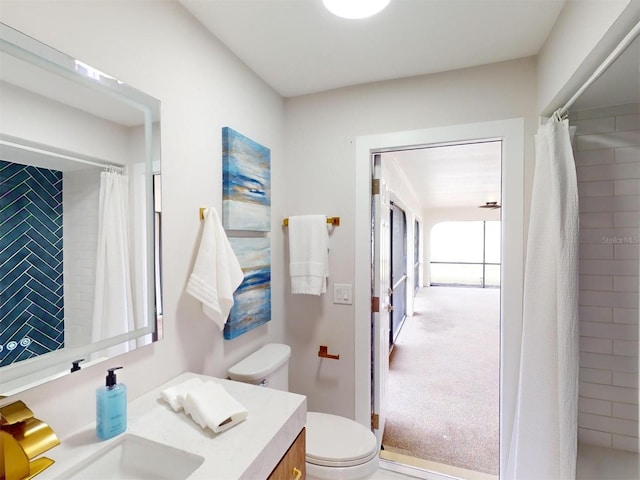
[{"x": 79, "y": 214}]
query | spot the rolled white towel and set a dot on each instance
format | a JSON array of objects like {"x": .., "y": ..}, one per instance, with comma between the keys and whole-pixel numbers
[
  {"x": 173, "y": 395},
  {"x": 211, "y": 406}
]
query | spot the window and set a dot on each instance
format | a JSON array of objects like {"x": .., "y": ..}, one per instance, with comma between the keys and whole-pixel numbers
[{"x": 466, "y": 253}]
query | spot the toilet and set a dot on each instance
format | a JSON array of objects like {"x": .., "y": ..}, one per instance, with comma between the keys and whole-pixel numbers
[{"x": 337, "y": 448}]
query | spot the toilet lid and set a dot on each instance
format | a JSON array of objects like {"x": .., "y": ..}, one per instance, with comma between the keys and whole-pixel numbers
[{"x": 338, "y": 441}]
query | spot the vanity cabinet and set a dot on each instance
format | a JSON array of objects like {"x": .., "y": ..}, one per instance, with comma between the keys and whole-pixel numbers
[
  {"x": 248, "y": 450},
  {"x": 292, "y": 465}
]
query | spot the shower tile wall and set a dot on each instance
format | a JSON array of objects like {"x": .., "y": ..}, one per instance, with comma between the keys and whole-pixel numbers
[
  {"x": 81, "y": 200},
  {"x": 607, "y": 154},
  {"x": 31, "y": 271}
]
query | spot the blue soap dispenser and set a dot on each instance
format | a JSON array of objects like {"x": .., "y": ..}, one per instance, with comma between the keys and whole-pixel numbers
[{"x": 111, "y": 407}]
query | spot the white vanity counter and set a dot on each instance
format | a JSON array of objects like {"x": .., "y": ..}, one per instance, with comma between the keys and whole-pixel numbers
[{"x": 249, "y": 450}]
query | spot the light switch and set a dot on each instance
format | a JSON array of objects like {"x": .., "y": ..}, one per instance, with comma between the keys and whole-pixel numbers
[{"x": 342, "y": 293}]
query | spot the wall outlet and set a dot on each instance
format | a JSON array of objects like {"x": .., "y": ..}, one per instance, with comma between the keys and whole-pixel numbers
[{"x": 342, "y": 293}]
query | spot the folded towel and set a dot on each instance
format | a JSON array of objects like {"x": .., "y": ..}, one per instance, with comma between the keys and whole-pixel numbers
[
  {"x": 308, "y": 254},
  {"x": 172, "y": 395},
  {"x": 216, "y": 273},
  {"x": 211, "y": 406}
]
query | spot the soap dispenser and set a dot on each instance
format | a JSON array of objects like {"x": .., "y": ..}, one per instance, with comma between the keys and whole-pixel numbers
[{"x": 111, "y": 407}]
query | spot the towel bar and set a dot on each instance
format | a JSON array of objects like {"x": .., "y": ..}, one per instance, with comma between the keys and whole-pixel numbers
[{"x": 335, "y": 221}]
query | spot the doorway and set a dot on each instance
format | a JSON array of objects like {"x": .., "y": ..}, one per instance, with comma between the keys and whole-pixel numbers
[
  {"x": 443, "y": 382},
  {"x": 511, "y": 133}
]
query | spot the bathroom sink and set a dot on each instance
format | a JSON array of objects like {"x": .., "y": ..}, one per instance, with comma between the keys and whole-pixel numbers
[{"x": 135, "y": 458}]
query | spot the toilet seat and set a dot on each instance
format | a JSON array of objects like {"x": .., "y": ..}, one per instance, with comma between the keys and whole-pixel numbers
[{"x": 334, "y": 441}]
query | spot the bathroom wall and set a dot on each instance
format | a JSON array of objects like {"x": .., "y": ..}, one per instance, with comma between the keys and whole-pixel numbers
[
  {"x": 607, "y": 155},
  {"x": 320, "y": 143},
  {"x": 159, "y": 48}
]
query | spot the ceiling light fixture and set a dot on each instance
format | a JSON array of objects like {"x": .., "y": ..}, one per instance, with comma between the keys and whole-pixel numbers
[
  {"x": 355, "y": 9},
  {"x": 491, "y": 205}
]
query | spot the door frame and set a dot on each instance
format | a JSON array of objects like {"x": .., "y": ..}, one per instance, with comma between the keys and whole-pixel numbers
[{"x": 511, "y": 133}]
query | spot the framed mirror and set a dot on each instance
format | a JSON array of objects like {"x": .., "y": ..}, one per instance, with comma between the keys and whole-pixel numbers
[{"x": 80, "y": 215}]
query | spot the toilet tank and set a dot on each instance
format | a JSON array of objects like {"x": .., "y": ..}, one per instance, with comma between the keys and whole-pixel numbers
[{"x": 268, "y": 367}]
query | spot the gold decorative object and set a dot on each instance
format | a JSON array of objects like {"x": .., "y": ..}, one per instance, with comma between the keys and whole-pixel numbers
[{"x": 24, "y": 437}]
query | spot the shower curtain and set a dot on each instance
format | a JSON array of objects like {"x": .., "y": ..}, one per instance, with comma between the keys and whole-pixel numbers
[
  {"x": 544, "y": 440},
  {"x": 113, "y": 300}
]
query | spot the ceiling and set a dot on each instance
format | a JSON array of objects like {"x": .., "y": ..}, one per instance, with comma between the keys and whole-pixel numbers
[
  {"x": 453, "y": 176},
  {"x": 298, "y": 47}
]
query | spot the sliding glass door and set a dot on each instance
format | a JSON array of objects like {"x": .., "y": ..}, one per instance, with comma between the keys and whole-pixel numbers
[{"x": 398, "y": 270}]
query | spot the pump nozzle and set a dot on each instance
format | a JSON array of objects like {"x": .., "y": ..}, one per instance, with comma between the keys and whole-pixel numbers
[{"x": 111, "y": 377}]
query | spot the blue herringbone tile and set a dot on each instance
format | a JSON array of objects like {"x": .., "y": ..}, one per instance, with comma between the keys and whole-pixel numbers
[{"x": 31, "y": 268}]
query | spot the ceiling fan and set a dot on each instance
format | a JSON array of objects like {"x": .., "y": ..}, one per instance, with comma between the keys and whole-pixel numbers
[{"x": 491, "y": 205}]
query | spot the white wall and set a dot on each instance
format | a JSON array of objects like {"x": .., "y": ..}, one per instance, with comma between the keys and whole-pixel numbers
[
  {"x": 320, "y": 145},
  {"x": 158, "y": 48}
]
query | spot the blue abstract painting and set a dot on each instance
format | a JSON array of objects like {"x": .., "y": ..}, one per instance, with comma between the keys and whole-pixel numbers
[
  {"x": 252, "y": 299},
  {"x": 246, "y": 183}
]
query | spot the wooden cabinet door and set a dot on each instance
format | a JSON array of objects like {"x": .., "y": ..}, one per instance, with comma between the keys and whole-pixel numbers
[{"x": 292, "y": 465}]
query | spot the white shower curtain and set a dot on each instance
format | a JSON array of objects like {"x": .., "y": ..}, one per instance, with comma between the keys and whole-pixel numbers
[
  {"x": 544, "y": 440},
  {"x": 113, "y": 312}
]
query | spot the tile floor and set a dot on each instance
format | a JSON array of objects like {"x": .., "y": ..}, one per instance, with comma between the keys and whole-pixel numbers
[{"x": 382, "y": 474}]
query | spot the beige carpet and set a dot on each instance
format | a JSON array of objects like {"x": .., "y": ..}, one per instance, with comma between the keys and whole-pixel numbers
[{"x": 443, "y": 397}]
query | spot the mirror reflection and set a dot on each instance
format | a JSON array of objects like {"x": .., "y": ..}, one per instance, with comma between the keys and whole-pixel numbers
[{"x": 79, "y": 215}]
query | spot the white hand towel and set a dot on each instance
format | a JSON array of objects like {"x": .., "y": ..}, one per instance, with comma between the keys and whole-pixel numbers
[
  {"x": 211, "y": 406},
  {"x": 172, "y": 395},
  {"x": 308, "y": 254},
  {"x": 216, "y": 273}
]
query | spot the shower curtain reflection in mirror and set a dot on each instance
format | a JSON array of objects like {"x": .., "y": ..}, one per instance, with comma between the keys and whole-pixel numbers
[{"x": 113, "y": 311}]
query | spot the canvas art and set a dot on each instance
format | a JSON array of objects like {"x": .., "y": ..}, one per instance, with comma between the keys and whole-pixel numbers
[
  {"x": 246, "y": 177},
  {"x": 252, "y": 299}
]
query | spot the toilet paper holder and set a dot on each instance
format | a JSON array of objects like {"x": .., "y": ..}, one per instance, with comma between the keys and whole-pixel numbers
[{"x": 324, "y": 353}]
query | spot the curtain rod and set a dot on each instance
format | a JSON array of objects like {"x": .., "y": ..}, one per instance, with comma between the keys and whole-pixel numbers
[
  {"x": 613, "y": 56},
  {"x": 61, "y": 155}
]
